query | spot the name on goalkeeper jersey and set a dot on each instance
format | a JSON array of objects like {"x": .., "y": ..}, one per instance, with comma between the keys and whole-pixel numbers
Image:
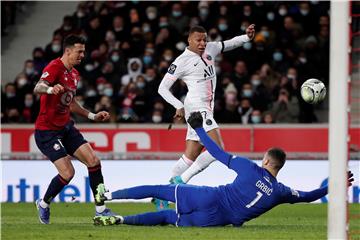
[{"x": 260, "y": 185}]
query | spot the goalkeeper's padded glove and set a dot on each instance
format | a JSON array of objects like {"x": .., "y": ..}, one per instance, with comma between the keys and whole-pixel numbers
[{"x": 195, "y": 120}]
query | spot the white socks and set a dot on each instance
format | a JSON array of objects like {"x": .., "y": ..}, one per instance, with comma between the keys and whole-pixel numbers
[
  {"x": 181, "y": 165},
  {"x": 43, "y": 204},
  {"x": 100, "y": 209},
  {"x": 108, "y": 195},
  {"x": 202, "y": 162}
]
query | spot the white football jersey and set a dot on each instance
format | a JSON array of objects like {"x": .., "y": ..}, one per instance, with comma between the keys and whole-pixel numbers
[{"x": 198, "y": 73}]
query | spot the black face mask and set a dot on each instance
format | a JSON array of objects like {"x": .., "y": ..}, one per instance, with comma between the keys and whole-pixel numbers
[
  {"x": 213, "y": 35},
  {"x": 137, "y": 36},
  {"x": 244, "y": 110},
  {"x": 38, "y": 58},
  {"x": 14, "y": 119}
]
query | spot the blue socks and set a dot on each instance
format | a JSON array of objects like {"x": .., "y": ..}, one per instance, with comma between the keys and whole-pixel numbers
[{"x": 152, "y": 218}]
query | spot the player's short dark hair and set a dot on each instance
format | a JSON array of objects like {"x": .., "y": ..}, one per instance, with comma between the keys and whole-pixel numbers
[
  {"x": 278, "y": 157},
  {"x": 71, "y": 40},
  {"x": 199, "y": 29}
]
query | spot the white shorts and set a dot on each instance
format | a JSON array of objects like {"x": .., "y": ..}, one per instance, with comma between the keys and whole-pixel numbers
[{"x": 209, "y": 123}]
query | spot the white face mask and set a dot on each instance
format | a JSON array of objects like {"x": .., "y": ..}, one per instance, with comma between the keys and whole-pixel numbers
[
  {"x": 56, "y": 47},
  {"x": 167, "y": 58},
  {"x": 108, "y": 92},
  {"x": 91, "y": 93},
  {"x": 89, "y": 67},
  {"x": 270, "y": 16},
  {"x": 100, "y": 87},
  {"x": 156, "y": 119},
  {"x": 28, "y": 103},
  {"x": 291, "y": 76},
  {"x": 304, "y": 12},
  {"x": 22, "y": 82},
  {"x": 151, "y": 15},
  {"x": 282, "y": 11},
  {"x": 29, "y": 71},
  {"x": 247, "y": 45},
  {"x": 256, "y": 119},
  {"x": 256, "y": 82}
]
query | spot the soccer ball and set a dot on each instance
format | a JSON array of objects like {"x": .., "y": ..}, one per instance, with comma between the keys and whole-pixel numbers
[{"x": 313, "y": 91}]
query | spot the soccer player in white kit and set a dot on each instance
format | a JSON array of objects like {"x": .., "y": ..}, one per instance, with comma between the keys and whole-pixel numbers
[{"x": 196, "y": 67}]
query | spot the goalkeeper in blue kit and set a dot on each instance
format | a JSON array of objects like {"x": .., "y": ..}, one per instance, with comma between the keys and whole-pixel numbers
[{"x": 254, "y": 191}]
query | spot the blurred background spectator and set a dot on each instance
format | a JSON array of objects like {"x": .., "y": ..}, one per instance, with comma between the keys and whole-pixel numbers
[{"x": 130, "y": 45}]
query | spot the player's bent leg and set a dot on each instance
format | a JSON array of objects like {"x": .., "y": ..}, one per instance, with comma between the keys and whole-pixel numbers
[
  {"x": 192, "y": 151},
  {"x": 204, "y": 159},
  {"x": 66, "y": 173},
  {"x": 86, "y": 154}
]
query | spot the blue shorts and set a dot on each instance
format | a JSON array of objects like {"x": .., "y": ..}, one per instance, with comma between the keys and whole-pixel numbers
[
  {"x": 199, "y": 206},
  {"x": 56, "y": 144}
]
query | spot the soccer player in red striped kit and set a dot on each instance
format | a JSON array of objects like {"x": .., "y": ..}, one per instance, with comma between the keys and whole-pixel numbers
[{"x": 55, "y": 134}]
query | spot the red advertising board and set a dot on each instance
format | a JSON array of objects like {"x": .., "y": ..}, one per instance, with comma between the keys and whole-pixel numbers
[{"x": 135, "y": 138}]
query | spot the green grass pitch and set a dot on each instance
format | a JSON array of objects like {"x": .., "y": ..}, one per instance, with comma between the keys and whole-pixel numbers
[{"x": 74, "y": 221}]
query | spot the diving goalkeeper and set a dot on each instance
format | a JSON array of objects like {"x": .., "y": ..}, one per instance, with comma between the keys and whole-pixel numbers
[{"x": 254, "y": 191}]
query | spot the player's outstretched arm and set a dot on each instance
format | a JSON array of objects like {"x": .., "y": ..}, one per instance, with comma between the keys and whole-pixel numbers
[
  {"x": 196, "y": 122},
  {"x": 239, "y": 40},
  {"x": 300, "y": 196}
]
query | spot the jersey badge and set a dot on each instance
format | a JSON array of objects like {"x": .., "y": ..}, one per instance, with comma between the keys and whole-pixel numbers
[
  {"x": 208, "y": 122},
  {"x": 208, "y": 57},
  {"x": 172, "y": 69},
  {"x": 44, "y": 75}
]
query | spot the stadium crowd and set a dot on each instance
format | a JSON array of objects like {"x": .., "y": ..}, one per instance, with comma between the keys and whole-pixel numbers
[{"x": 131, "y": 44}]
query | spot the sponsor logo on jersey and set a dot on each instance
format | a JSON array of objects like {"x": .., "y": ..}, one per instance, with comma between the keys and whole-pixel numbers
[{"x": 172, "y": 69}]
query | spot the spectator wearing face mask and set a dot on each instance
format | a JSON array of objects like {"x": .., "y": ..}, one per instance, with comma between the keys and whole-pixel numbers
[
  {"x": 39, "y": 60},
  {"x": 151, "y": 13},
  {"x": 67, "y": 26},
  {"x": 23, "y": 86},
  {"x": 247, "y": 91},
  {"x": 261, "y": 96},
  {"x": 240, "y": 74},
  {"x": 137, "y": 42},
  {"x": 95, "y": 33},
  {"x": 119, "y": 28},
  {"x": 29, "y": 70},
  {"x": 54, "y": 49},
  {"x": 224, "y": 28},
  {"x": 255, "y": 117},
  {"x": 157, "y": 116},
  {"x": 30, "y": 109},
  {"x": 204, "y": 15},
  {"x": 105, "y": 104},
  {"x": 286, "y": 108},
  {"x": 279, "y": 62},
  {"x": 9, "y": 97},
  {"x": 229, "y": 113},
  {"x": 306, "y": 17},
  {"x": 245, "y": 110},
  {"x": 177, "y": 19},
  {"x": 118, "y": 60}
]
